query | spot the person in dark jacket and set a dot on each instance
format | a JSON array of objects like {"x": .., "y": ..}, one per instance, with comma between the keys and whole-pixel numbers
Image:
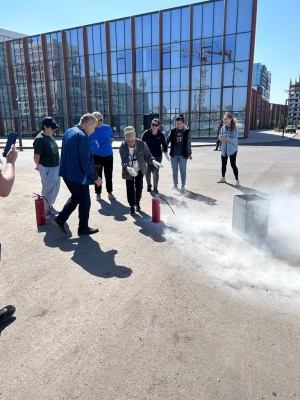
[
  {"x": 135, "y": 157},
  {"x": 181, "y": 151},
  {"x": 78, "y": 172},
  {"x": 156, "y": 142},
  {"x": 218, "y": 142}
]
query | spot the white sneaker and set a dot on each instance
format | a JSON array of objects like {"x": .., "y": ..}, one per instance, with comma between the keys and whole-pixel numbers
[
  {"x": 222, "y": 180},
  {"x": 237, "y": 183},
  {"x": 174, "y": 187},
  {"x": 182, "y": 190}
]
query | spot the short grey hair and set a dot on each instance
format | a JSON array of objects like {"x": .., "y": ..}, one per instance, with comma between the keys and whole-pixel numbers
[
  {"x": 86, "y": 118},
  {"x": 97, "y": 114},
  {"x": 129, "y": 132}
]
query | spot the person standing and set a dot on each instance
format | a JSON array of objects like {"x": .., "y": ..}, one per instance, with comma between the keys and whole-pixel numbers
[
  {"x": 102, "y": 150},
  {"x": 135, "y": 155},
  {"x": 7, "y": 178},
  {"x": 229, "y": 146},
  {"x": 156, "y": 142},
  {"x": 78, "y": 172},
  {"x": 181, "y": 151},
  {"x": 46, "y": 158}
]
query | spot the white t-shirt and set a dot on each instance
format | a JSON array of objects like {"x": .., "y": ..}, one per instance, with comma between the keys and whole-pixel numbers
[{"x": 133, "y": 160}]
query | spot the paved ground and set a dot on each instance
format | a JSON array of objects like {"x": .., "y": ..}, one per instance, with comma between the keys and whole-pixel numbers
[{"x": 182, "y": 309}]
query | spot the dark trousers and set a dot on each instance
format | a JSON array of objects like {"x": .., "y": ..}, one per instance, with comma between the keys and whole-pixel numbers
[
  {"x": 134, "y": 189},
  {"x": 80, "y": 195},
  {"x": 232, "y": 163},
  {"x": 106, "y": 163}
]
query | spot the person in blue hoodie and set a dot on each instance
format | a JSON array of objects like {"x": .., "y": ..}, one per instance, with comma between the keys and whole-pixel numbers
[
  {"x": 229, "y": 146},
  {"x": 78, "y": 172}
]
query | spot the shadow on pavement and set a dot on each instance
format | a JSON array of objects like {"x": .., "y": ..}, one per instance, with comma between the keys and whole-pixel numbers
[
  {"x": 115, "y": 208},
  {"x": 199, "y": 197},
  {"x": 86, "y": 253},
  {"x": 248, "y": 190}
]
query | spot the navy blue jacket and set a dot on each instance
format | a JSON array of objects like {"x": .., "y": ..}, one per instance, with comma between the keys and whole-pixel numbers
[{"x": 76, "y": 162}]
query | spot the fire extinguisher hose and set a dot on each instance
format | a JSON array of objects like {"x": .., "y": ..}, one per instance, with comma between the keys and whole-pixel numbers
[
  {"x": 167, "y": 203},
  {"x": 40, "y": 197}
]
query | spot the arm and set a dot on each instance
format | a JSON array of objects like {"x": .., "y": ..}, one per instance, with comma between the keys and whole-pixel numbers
[
  {"x": 124, "y": 155},
  {"x": 164, "y": 143},
  {"x": 84, "y": 154},
  {"x": 36, "y": 159},
  {"x": 144, "y": 137},
  {"x": 189, "y": 145},
  {"x": 7, "y": 177}
]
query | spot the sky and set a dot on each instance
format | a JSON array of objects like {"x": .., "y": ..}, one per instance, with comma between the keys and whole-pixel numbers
[{"x": 277, "y": 29}]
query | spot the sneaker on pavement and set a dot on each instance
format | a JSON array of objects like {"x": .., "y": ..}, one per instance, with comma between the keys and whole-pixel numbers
[
  {"x": 149, "y": 188},
  {"x": 6, "y": 312},
  {"x": 87, "y": 231},
  {"x": 59, "y": 225},
  {"x": 54, "y": 211},
  {"x": 138, "y": 208},
  {"x": 174, "y": 187},
  {"x": 222, "y": 180},
  {"x": 111, "y": 196},
  {"x": 182, "y": 190},
  {"x": 50, "y": 215},
  {"x": 98, "y": 197},
  {"x": 155, "y": 190},
  {"x": 237, "y": 183}
]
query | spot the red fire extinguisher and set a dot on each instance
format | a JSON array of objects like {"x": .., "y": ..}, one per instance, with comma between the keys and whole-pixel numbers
[
  {"x": 155, "y": 210},
  {"x": 39, "y": 209}
]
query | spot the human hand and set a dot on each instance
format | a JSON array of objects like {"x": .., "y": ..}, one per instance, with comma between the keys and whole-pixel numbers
[
  {"x": 156, "y": 164},
  {"x": 98, "y": 182},
  {"x": 190, "y": 157},
  {"x": 167, "y": 156},
  {"x": 12, "y": 155}
]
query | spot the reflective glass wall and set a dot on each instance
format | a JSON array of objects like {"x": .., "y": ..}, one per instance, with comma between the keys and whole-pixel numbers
[{"x": 192, "y": 59}]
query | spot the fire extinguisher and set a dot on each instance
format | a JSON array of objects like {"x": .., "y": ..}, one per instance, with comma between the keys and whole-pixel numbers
[
  {"x": 155, "y": 210},
  {"x": 40, "y": 209}
]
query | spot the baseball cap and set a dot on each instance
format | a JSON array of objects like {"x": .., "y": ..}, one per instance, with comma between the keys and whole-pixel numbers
[{"x": 50, "y": 122}]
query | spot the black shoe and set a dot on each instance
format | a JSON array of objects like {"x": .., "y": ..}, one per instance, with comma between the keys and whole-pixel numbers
[
  {"x": 59, "y": 225},
  {"x": 132, "y": 210},
  {"x": 6, "y": 313},
  {"x": 138, "y": 208},
  {"x": 149, "y": 188},
  {"x": 156, "y": 191},
  {"x": 215, "y": 150},
  {"x": 87, "y": 231}
]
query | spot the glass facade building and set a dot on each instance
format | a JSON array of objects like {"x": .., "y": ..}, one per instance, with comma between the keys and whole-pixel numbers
[{"x": 196, "y": 60}]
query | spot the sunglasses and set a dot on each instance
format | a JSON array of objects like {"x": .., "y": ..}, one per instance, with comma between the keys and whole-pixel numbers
[
  {"x": 154, "y": 124},
  {"x": 100, "y": 120}
]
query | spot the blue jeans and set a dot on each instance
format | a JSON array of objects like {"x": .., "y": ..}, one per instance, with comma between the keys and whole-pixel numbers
[{"x": 182, "y": 167}]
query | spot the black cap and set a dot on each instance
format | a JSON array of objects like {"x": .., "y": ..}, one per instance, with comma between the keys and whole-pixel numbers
[{"x": 50, "y": 122}]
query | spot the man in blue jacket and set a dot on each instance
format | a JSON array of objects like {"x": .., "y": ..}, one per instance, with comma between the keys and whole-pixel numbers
[{"x": 78, "y": 172}]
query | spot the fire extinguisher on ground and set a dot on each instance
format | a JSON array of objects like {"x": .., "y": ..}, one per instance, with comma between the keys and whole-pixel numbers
[{"x": 40, "y": 209}]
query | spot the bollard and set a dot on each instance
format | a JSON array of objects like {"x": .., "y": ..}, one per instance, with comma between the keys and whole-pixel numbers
[
  {"x": 250, "y": 217},
  {"x": 155, "y": 210}
]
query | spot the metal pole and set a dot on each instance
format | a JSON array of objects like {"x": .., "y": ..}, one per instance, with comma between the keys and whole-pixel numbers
[
  {"x": 284, "y": 117},
  {"x": 19, "y": 125}
]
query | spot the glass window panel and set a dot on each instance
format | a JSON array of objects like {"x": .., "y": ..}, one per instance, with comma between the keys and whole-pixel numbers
[
  {"x": 121, "y": 63},
  {"x": 113, "y": 56},
  {"x": 205, "y": 76},
  {"x": 128, "y": 60},
  {"x": 155, "y": 58},
  {"x": 196, "y": 56},
  {"x": 197, "y": 22},
  {"x": 80, "y": 42},
  {"x": 241, "y": 73},
  {"x": 127, "y": 34},
  {"x": 207, "y": 29},
  {"x": 104, "y": 63},
  {"x": 175, "y": 25},
  {"x": 242, "y": 46},
  {"x": 217, "y": 50},
  {"x": 155, "y": 82},
  {"x": 175, "y": 102},
  {"x": 229, "y": 48},
  {"x": 103, "y": 38},
  {"x": 167, "y": 101},
  {"x": 166, "y": 60},
  {"x": 218, "y": 18},
  {"x": 155, "y": 100},
  {"x": 175, "y": 79},
  {"x": 89, "y": 31},
  {"x": 215, "y": 102},
  {"x": 231, "y": 16},
  {"x": 138, "y": 32},
  {"x": 147, "y": 58},
  {"x": 195, "y": 99},
  {"x": 205, "y": 100},
  {"x": 166, "y": 27},
  {"x": 129, "y": 104},
  {"x": 185, "y": 23},
  {"x": 228, "y": 74},
  {"x": 216, "y": 74},
  {"x": 155, "y": 38},
  {"x": 96, "y": 39},
  {"x": 244, "y": 16},
  {"x": 147, "y": 102},
  {"x": 167, "y": 80},
  {"x": 122, "y": 105},
  {"x": 175, "y": 56},
  {"x": 97, "y": 65},
  {"x": 207, "y": 51},
  {"x": 120, "y": 34},
  {"x": 184, "y": 101},
  {"x": 184, "y": 54},
  {"x": 139, "y": 59},
  {"x": 227, "y": 100},
  {"x": 112, "y": 31},
  {"x": 184, "y": 81},
  {"x": 147, "y": 30},
  {"x": 139, "y": 102},
  {"x": 196, "y": 77},
  {"x": 239, "y": 98}
]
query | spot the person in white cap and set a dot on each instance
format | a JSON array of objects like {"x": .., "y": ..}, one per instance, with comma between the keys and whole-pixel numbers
[{"x": 135, "y": 157}]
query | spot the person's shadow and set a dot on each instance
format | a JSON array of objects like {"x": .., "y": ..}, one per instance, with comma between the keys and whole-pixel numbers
[
  {"x": 115, "y": 208},
  {"x": 249, "y": 190},
  {"x": 86, "y": 253},
  {"x": 199, "y": 197}
]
